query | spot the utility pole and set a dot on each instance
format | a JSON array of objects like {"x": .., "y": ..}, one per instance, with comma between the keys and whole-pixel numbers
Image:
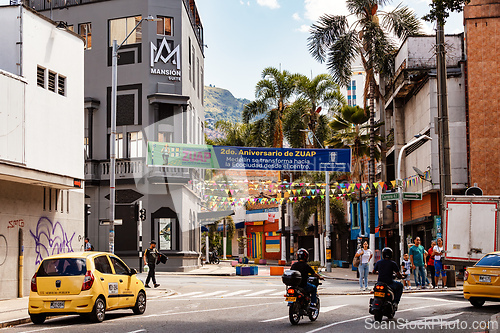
[{"x": 444, "y": 133}]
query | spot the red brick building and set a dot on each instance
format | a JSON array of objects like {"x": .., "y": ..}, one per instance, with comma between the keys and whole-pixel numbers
[{"x": 482, "y": 37}]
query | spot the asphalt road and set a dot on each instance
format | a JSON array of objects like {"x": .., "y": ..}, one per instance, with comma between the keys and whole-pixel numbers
[{"x": 256, "y": 304}]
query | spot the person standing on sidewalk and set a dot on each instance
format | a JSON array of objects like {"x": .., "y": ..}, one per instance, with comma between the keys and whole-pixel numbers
[
  {"x": 406, "y": 270},
  {"x": 366, "y": 255},
  {"x": 430, "y": 263},
  {"x": 438, "y": 263},
  {"x": 417, "y": 258},
  {"x": 150, "y": 257}
]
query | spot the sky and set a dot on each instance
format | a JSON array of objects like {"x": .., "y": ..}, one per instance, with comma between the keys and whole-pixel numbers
[{"x": 243, "y": 37}]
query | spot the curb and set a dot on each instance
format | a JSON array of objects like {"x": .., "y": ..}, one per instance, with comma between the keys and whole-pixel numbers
[{"x": 15, "y": 322}]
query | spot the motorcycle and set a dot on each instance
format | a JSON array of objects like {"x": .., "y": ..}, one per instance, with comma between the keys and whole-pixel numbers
[
  {"x": 212, "y": 258},
  {"x": 382, "y": 303},
  {"x": 299, "y": 301}
]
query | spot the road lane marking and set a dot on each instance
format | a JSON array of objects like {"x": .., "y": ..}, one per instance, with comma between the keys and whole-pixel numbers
[
  {"x": 279, "y": 293},
  {"x": 321, "y": 310},
  {"x": 137, "y": 331},
  {"x": 438, "y": 299},
  {"x": 211, "y": 294},
  {"x": 364, "y": 317},
  {"x": 186, "y": 295},
  {"x": 433, "y": 319},
  {"x": 210, "y": 310},
  {"x": 260, "y": 292},
  {"x": 236, "y": 293}
]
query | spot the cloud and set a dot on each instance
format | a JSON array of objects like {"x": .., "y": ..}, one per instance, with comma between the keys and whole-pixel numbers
[
  {"x": 244, "y": 3},
  {"x": 304, "y": 28},
  {"x": 296, "y": 17},
  {"x": 316, "y": 8},
  {"x": 273, "y": 4}
]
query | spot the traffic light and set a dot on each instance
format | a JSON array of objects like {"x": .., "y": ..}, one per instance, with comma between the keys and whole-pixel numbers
[
  {"x": 87, "y": 209},
  {"x": 142, "y": 214}
]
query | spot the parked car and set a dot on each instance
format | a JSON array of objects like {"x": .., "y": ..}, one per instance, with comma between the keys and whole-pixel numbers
[
  {"x": 85, "y": 283},
  {"x": 482, "y": 281}
]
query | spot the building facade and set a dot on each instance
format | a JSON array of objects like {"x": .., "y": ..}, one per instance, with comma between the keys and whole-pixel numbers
[
  {"x": 160, "y": 99},
  {"x": 482, "y": 38},
  {"x": 411, "y": 109},
  {"x": 41, "y": 156}
]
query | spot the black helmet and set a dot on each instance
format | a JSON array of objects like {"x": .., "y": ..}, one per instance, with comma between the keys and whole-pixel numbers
[
  {"x": 387, "y": 253},
  {"x": 302, "y": 254}
]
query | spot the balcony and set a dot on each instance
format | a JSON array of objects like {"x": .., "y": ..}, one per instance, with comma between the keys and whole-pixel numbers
[{"x": 136, "y": 168}]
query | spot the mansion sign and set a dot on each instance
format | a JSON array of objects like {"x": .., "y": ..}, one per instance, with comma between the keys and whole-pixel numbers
[{"x": 167, "y": 54}]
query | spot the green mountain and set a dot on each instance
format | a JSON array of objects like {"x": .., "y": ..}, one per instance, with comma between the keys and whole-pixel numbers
[{"x": 221, "y": 104}]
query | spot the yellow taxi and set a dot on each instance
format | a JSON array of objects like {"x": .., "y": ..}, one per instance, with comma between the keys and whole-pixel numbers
[
  {"x": 482, "y": 281},
  {"x": 85, "y": 283}
]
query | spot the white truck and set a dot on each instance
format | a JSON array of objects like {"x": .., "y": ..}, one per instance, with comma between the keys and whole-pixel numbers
[{"x": 470, "y": 228}]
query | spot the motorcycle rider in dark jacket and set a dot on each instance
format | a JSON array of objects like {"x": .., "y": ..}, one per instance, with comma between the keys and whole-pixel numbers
[
  {"x": 385, "y": 269},
  {"x": 306, "y": 270}
]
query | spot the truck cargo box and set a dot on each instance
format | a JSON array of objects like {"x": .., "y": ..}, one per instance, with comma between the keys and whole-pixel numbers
[{"x": 470, "y": 228}]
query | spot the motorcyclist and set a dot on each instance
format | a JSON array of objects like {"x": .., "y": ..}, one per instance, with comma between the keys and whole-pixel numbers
[
  {"x": 305, "y": 270},
  {"x": 385, "y": 269}
]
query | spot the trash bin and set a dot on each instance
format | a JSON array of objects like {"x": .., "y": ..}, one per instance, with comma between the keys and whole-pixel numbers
[{"x": 451, "y": 280}]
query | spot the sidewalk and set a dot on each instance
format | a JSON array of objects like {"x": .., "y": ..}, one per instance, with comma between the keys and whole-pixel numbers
[{"x": 15, "y": 311}]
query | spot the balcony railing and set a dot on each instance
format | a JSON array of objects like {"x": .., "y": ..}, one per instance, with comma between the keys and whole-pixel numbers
[{"x": 390, "y": 139}]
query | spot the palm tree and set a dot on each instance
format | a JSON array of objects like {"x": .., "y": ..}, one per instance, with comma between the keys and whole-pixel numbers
[
  {"x": 273, "y": 95},
  {"x": 339, "y": 44},
  {"x": 304, "y": 114}
]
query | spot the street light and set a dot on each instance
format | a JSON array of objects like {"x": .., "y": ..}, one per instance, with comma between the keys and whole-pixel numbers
[
  {"x": 327, "y": 206},
  {"x": 112, "y": 148},
  {"x": 418, "y": 137}
]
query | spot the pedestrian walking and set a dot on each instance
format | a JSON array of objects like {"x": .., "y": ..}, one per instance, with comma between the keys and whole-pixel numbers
[
  {"x": 417, "y": 258},
  {"x": 406, "y": 269},
  {"x": 438, "y": 262},
  {"x": 430, "y": 263},
  {"x": 88, "y": 246},
  {"x": 366, "y": 255},
  {"x": 150, "y": 257}
]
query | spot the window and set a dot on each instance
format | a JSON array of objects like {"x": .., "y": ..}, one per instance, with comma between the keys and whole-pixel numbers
[
  {"x": 52, "y": 81},
  {"x": 194, "y": 68},
  {"x": 164, "y": 26},
  {"x": 119, "y": 145},
  {"x": 61, "y": 85},
  {"x": 120, "y": 28},
  {"x": 62, "y": 267},
  {"x": 354, "y": 214},
  {"x": 135, "y": 144},
  {"x": 85, "y": 30},
  {"x": 120, "y": 267},
  {"x": 189, "y": 51},
  {"x": 40, "y": 76},
  {"x": 165, "y": 136},
  {"x": 86, "y": 147},
  {"x": 102, "y": 265}
]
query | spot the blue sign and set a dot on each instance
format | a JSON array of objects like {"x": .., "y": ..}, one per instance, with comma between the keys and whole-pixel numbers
[{"x": 288, "y": 159}]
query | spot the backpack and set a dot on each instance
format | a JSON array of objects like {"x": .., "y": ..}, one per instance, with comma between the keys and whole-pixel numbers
[{"x": 91, "y": 247}]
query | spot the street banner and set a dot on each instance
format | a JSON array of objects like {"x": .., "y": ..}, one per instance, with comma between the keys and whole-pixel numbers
[{"x": 247, "y": 158}]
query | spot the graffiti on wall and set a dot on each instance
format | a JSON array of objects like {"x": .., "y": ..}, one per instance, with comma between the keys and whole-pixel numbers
[{"x": 50, "y": 238}]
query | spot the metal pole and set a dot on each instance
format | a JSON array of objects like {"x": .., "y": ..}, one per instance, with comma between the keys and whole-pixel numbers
[
  {"x": 327, "y": 219},
  {"x": 112, "y": 148},
  {"x": 400, "y": 191},
  {"x": 139, "y": 233}
]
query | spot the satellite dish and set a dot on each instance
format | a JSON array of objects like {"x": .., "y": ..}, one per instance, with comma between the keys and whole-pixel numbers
[
  {"x": 421, "y": 174},
  {"x": 474, "y": 190}
]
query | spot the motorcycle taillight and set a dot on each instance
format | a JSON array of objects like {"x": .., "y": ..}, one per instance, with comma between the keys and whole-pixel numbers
[{"x": 291, "y": 291}]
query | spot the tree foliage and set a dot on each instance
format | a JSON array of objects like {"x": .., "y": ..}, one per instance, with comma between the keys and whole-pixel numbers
[{"x": 440, "y": 9}]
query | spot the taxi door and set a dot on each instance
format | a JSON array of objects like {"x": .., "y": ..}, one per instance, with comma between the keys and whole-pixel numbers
[
  {"x": 126, "y": 291},
  {"x": 108, "y": 280}
]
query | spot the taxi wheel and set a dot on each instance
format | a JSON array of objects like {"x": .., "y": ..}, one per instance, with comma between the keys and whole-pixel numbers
[
  {"x": 99, "y": 311},
  {"x": 477, "y": 303},
  {"x": 140, "y": 303},
  {"x": 38, "y": 318}
]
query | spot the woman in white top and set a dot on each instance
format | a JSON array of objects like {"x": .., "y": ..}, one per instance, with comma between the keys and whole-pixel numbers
[{"x": 366, "y": 255}]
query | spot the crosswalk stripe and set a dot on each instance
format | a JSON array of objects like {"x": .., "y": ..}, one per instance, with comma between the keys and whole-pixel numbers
[
  {"x": 211, "y": 294},
  {"x": 279, "y": 293},
  {"x": 186, "y": 295},
  {"x": 236, "y": 293},
  {"x": 260, "y": 292}
]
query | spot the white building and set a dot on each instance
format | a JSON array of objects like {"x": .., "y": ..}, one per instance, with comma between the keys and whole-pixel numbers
[{"x": 41, "y": 151}]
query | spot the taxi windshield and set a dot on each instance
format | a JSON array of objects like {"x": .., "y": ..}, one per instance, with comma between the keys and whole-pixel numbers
[
  {"x": 62, "y": 267},
  {"x": 489, "y": 260}
]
